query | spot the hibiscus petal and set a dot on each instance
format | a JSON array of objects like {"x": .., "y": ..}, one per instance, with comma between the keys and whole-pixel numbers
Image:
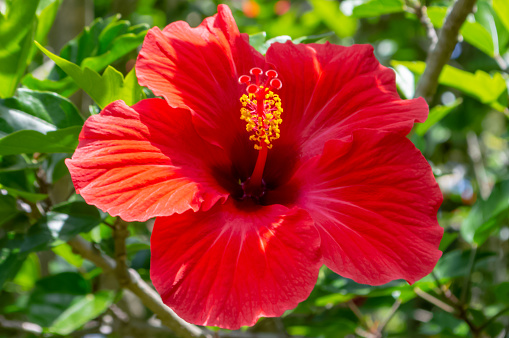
[
  {"x": 330, "y": 90},
  {"x": 374, "y": 201},
  {"x": 146, "y": 160},
  {"x": 198, "y": 68},
  {"x": 234, "y": 263}
]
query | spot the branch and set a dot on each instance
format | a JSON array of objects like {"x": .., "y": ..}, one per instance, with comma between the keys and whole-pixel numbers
[
  {"x": 141, "y": 289},
  {"x": 439, "y": 56},
  {"x": 421, "y": 12},
  {"x": 20, "y": 326},
  {"x": 120, "y": 233}
]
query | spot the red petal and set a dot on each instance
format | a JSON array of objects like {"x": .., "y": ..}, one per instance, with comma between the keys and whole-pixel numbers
[
  {"x": 144, "y": 161},
  {"x": 198, "y": 68},
  {"x": 234, "y": 263},
  {"x": 330, "y": 90},
  {"x": 375, "y": 202}
]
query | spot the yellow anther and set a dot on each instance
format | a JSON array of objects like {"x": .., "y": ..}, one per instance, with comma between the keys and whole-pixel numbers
[{"x": 264, "y": 124}]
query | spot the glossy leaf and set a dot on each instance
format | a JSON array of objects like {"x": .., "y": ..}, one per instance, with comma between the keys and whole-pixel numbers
[
  {"x": 109, "y": 87},
  {"x": 63, "y": 223},
  {"x": 47, "y": 106},
  {"x": 31, "y": 141}
]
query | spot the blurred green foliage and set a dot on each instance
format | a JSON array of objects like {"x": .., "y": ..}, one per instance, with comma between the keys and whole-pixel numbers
[{"x": 43, "y": 106}]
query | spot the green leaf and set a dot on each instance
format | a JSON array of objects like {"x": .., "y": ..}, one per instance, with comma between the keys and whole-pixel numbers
[
  {"x": 480, "y": 85},
  {"x": 64, "y": 250},
  {"x": 10, "y": 257},
  {"x": 46, "y": 14},
  {"x": 435, "y": 115},
  {"x": 61, "y": 224},
  {"x": 29, "y": 272},
  {"x": 330, "y": 13},
  {"x": 99, "y": 45},
  {"x": 53, "y": 295},
  {"x": 8, "y": 208},
  {"x": 259, "y": 43},
  {"x": 109, "y": 87},
  {"x": 455, "y": 263},
  {"x": 29, "y": 196},
  {"x": 12, "y": 120},
  {"x": 31, "y": 141},
  {"x": 17, "y": 29},
  {"x": 372, "y": 8},
  {"x": 473, "y": 32},
  {"x": 82, "y": 311},
  {"x": 501, "y": 7},
  {"x": 50, "y": 107},
  {"x": 487, "y": 216}
]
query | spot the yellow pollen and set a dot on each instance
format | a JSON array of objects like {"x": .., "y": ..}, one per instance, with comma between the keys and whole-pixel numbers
[{"x": 263, "y": 122}]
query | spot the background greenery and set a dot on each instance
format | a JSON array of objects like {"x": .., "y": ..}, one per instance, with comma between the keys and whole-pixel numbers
[{"x": 47, "y": 289}]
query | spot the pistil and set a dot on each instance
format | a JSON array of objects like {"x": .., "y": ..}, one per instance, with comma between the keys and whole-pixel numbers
[{"x": 261, "y": 109}]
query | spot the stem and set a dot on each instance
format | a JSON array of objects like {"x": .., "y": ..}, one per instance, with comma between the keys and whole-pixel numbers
[
  {"x": 433, "y": 300},
  {"x": 492, "y": 319},
  {"x": 139, "y": 287},
  {"x": 439, "y": 56},
  {"x": 466, "y": 286}
]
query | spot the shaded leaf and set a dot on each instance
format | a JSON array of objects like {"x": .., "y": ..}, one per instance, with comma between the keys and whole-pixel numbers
[
  {"x": 486, "y": 216},
  {"x": 61, "y": 224},
  {"x": 435, "y": 115}
]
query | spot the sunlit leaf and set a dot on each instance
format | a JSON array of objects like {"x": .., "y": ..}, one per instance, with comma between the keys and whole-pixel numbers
[
  {"x": 99, "y": 45},
  {"x": 31, "y": 141},
  {"x": 17, "y": 29},
  {"x": 109, "y": 87},
  {"x": 333, "y": 17},
  {"x": 82, "y": 311},
  {"x": 260, "y": 44},
  {"x": 64, "y": 250},
  {"x": 372, "y": 8},
  {"x": 480, "y": 85},
  {"x": 501, "y": 7}
]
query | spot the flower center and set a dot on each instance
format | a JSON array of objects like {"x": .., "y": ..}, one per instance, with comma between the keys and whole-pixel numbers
[{"x": 261, "y": 109}]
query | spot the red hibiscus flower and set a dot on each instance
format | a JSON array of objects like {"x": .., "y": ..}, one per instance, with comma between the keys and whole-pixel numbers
[{"x": 261, "y": 169}]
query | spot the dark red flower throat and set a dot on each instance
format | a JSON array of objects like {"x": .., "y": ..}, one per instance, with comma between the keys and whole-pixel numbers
[{"x": 261, "y": 109}]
